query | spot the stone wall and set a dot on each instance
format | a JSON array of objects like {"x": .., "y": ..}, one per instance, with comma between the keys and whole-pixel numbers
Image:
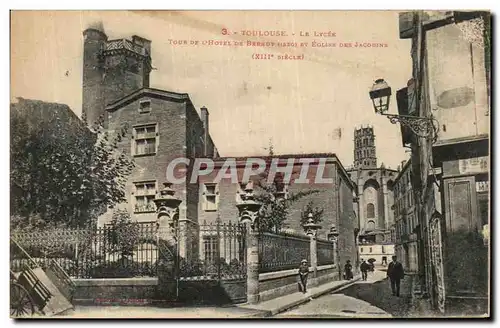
[
  {"x": 120, "y": 291},
  {"x": 277, "y": 284}
]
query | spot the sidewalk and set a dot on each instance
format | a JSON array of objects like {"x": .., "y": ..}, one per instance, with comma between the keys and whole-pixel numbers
[
  {"x": 260, "y": 310},
  {"x": 281, "y": 304},
  {"x": 148, "y": 312}
]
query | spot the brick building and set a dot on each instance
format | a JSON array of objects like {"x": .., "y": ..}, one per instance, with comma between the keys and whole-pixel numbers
[
  {"x": 165, "y": 125},
  {"x": 336, "y": 198}
]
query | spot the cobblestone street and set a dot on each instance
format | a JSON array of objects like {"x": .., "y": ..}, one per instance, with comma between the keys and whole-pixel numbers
[{"x": 364, "y": 299}]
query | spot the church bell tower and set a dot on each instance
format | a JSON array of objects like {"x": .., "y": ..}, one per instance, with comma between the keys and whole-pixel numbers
[{"x": 365, "y": 156}]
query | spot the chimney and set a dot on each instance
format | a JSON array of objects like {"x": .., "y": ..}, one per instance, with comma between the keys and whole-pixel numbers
[{"x": 206, "y": 133}]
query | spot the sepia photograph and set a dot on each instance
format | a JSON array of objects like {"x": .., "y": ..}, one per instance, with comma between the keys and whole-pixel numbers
[{"x": 250, "y": 164}]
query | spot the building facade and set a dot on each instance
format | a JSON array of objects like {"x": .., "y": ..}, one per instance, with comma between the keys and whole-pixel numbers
[
  {"x": 375, "y": 193},
  {"x": 405, "y": 220},
  {"x": 450, "y": 169},
  {"x": 381, "y": 252},
  {"x": 335, "y": 198},
  {"x": 164, "y": 126}
]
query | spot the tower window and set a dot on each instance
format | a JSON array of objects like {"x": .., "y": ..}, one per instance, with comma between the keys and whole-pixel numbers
[{"x": 370, "y": 210}]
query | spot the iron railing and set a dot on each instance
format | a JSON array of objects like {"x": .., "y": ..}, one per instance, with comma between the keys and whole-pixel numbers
[
  {"x": 125, "y": 251},
  {"x": 282, "y": 251},
  {"x": 325, "y": 253}
]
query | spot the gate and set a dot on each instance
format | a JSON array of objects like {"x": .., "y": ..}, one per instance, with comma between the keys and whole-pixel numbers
[
  {"x": 204, "y": 263},
  {"x": 436, "y": 243}
]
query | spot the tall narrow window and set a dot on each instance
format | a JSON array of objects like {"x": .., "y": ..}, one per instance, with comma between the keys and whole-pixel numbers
[
  {"x": 210, "y": 248},
  {"x": 144, "y": 196},
  {"x": 210, "y": 197},
  {"x": 281, "y": 187},
  {"x": 370, "y": 210},
  {"x": 145, "y": 140}
]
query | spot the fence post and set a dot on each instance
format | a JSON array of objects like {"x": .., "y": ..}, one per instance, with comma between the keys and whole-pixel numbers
[
  {"x": 311, "y": 229},
  {"x": 248, "y": 210},
  {"x": 252, "y": 264},
  {"x": 314, "y": 258}
]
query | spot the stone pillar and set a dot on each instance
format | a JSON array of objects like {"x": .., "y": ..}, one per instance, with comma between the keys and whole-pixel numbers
[
  {"x": 333, "y": 236},
  {"x": 311, "y": 229},
  {"x": 252, "y": 265},
  {"x": 386, "y": 204},
  {"x": 337, "y": 257},
  {"x": 314, "y": 257},
  {"x": 167, "y": 207},
  {"x": 248, "y": 210}
]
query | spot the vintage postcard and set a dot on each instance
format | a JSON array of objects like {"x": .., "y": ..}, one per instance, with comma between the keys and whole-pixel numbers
[{"x": 250, "y": 164}]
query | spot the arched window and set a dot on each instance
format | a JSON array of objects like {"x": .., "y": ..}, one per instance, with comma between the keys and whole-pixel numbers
[{"x": 370, "y": 211}]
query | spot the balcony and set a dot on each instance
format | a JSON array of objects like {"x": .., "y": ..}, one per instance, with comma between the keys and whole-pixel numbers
[{"x": 124, "y": 44}]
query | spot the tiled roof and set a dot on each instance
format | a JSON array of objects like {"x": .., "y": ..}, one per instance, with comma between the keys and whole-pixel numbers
[{"x": 267, "y": 157}]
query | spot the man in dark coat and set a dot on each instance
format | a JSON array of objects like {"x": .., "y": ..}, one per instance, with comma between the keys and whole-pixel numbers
[
  {"x": 364, "y": 267},
  {"x": 395, "y": 273}
]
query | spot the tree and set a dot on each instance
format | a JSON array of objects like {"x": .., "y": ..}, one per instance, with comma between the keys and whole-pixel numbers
[
  {"x": 275, "y": 202},
  {"x": 122, "y": 234},
  {"x": 63, "y": 171},
  {"x": 317, "y": 213}
]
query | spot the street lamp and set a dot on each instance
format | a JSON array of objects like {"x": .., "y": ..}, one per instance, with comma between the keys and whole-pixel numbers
[
  {"x": 333, "y": 237},
  {"x": 380, "y": 94}
]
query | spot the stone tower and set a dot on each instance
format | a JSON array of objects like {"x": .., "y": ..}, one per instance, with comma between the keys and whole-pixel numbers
[
  {"x": 112, "y": 69},
  {"x": 365, "y": 156}
]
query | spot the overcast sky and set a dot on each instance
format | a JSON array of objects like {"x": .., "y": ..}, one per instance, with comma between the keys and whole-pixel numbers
[{"x": 300, "y": 105}]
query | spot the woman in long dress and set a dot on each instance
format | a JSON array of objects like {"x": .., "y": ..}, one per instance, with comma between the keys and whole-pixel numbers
[
  {"x": 303, "y": 273},
  {"x": 348, "y": 271}
]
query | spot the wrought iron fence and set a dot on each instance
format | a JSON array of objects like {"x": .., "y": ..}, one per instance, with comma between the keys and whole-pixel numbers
[
  {"x": 282, "y": 251},
  {"x": 207, "y": 251},
  {"x": 222, "y": 252},
  {"x": 125, "y": 251},
  {"x": 325, "y": 252}
]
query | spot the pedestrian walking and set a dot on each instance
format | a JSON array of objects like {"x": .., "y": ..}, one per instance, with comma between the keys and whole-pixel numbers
[
  {"x": 395, "y": 272},
  {"x": 364, "y": 267},
  {"x": 303, "y": 273},
  {"x": 348, "y": 270}
]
